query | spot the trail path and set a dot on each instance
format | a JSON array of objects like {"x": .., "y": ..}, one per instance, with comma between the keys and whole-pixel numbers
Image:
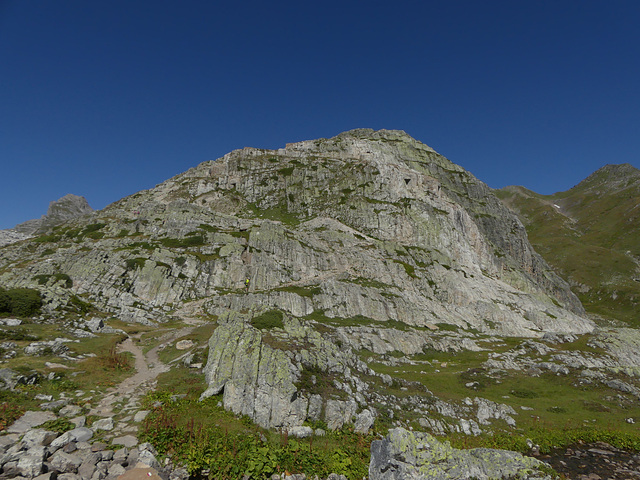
[{"x": 147, "y": 368}]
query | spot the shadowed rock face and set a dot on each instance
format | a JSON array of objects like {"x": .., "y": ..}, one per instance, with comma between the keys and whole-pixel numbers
[{"x": 66, "y": 208}]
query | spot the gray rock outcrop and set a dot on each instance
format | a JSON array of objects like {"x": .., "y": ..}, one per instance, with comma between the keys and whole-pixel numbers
[
  {"x": 404, "y": 454},
  {"x": 366, "y": 224},
  {"x": 65, "y": 208},
  {"x": 258, "y": 379}
]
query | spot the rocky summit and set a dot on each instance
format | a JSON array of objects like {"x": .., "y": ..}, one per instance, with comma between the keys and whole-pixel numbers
[
  {"x": 360, "y": 282},
  {"x": 66, "y": 208}
]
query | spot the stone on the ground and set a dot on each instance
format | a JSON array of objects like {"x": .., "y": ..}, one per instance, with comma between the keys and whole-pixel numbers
[
  {"x": 103, "y": 424},
  {"x": 140, "y": 416},
  {"x": 38, "y": 436},
  {"x": 300, "y": 432},
  {"x": 31, "y": 463},
  {"x": 126, "y": 441},
  {"x": 65, "y": 462},
  {"x": 364, "y": 421},
  {"x": 184, "y": 345},
  {"x": 141, "y": 472},
  {"x": 70, "y": 411},
  {"x": 30, "y": 420}
]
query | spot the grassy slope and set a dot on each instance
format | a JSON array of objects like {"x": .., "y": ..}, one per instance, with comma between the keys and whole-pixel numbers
[{"x": 593, "y": 239}]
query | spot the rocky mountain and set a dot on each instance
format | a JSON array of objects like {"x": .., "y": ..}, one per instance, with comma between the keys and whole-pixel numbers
[
  {"x": 591, "y": 234},
  {"x": 66, "y": 208},
  {"x": 363, "y": 281},
  {"x": 371, "y": 224}
]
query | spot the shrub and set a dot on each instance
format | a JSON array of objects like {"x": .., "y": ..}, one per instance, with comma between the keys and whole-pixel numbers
[
  {"x": 5, "y": 302},
  {"x": 94, "y": 227},
  {"x": 286, "y": 171},
  {"x": 9, "y": 413},
  {"x": 192, "y": 241},
  {"x": 60, "y": 425},
  {"x": 134, "y": 263},
  {"x": 23, "y": 302},
  {"x": 47, "y": 238},
  {"x": 42, "y": 279},
  {"x": 65, "y": 278},
  {"x": 268, "y": 320},
  {"x": 116, "y": 361}
]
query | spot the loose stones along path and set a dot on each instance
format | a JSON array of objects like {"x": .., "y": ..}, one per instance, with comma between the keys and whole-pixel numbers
[{"x": 127, "y": 394}]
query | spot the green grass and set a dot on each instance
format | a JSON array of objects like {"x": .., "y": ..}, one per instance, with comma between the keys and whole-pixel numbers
[
  {"x": 268, "y": 320},
  {"x": 135, "y": 263},
  {"x": 303, "y": 291},
  {"x": 190, "y": 241},
  {"x": 593, "y": 247},
  {"x": 203, "y": 435},
  {"x": 556, "y": 402}
]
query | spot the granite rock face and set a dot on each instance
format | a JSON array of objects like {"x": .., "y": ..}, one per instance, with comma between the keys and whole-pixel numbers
[
  {"x": 404, "y": 454},
  {"x": 372, "y": 224},
  {"x": 260, "y": 372},
  {"x": 365, "y": 241}
]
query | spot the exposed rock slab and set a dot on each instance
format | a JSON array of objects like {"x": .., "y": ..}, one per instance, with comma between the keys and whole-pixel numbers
[{"x": 404, "y": 454}]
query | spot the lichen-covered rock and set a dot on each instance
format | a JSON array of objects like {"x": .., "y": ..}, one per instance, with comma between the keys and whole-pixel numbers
[
  {"x": 364, "y": 421},
  {"x": 256, "y": 380},
  {"x": 404, "y": 454}
]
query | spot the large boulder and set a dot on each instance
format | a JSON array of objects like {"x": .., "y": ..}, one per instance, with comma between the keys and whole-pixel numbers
[
  {"x": 404, "y": 454},
  {"x": 256, "y": 379}
]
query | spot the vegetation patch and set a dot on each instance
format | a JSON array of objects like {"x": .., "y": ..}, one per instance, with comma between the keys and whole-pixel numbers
[
  {"x": 80, "y": 305},
  {"x": 191, "y": 241},
  {"x": 9, "y": 413},
  {"x": 135, "y": 263},
  {"x": 60, "y": 425},
  {"x": 58, "y": 277},
  {"x": 303, "y": 291},
  {"x": 268, "y": 320},
  {"x": 286, "y": 171},
  {"x": 22, "y": 302},
  {"x": 205, "y": 437}
]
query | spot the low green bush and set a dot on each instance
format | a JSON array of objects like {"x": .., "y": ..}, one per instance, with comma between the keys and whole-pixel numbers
[
  {"x": 135, "y": 263},
  {"x": 268, "y": 320},
  {"x": 192, "y": 241},
  {"x": 23, "y": 302},
  {"x": 9, "y": 413},
  {"x": 80, "y": 305}
]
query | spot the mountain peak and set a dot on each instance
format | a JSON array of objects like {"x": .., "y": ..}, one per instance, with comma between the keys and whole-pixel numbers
[
  {"x": 65, "y": 208},
  {"x": 612, "y": 177}
]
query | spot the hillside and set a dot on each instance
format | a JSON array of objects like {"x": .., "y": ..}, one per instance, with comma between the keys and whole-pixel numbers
[
  {"x": 336, "y": 287},
  {"x": 591, "y": 234}
]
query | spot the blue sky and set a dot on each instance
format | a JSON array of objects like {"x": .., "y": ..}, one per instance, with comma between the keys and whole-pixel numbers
[{"x": 106, "y": 98}]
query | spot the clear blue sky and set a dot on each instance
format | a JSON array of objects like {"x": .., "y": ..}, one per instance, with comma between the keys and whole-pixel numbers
[{"x": 105, "y": 98}]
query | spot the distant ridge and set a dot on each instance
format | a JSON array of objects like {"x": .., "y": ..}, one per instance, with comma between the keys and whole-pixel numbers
[{"x": 591, "y": 235}]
